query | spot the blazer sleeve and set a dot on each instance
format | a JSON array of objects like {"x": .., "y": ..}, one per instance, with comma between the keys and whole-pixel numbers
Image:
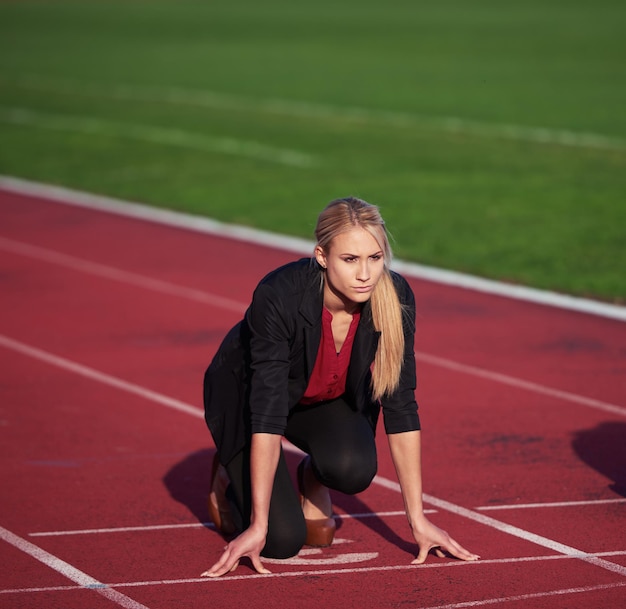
[
  {"x": 272, "y": 329},
  {"x": 400, "y": 409}
]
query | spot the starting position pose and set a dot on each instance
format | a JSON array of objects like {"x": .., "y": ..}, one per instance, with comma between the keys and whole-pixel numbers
[{"x": 326, "y": 342}]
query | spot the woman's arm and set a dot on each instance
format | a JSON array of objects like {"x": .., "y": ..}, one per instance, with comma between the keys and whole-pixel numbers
[
  {"x": 264, "y": 455},
  {"x": 406, "y": 454}
]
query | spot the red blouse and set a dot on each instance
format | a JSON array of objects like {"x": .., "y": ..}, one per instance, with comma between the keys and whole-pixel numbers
[{"x": 328, "y": 379}]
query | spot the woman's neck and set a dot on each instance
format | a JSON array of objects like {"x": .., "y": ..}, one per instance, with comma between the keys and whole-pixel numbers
[{"x": 337, "y": 304}]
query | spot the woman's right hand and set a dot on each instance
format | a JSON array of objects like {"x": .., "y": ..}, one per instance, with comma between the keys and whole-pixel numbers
[{"x": 250, "y": 543}]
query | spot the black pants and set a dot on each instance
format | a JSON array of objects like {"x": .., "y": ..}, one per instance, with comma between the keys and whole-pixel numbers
[{"x": 343, "y": 455}]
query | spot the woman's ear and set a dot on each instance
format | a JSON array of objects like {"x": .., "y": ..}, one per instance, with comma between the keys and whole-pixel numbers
[{"x": 320, "y": 256}]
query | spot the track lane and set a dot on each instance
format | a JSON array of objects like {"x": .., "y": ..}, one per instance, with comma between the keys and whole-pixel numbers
[{"x": 144, "y": 363}]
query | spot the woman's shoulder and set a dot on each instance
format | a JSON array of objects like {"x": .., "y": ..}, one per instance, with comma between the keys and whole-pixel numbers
[
  {"x": 293, "y": 276},
  {"x": 284, "y": 290},
  {"x": 289, "y": 284}
]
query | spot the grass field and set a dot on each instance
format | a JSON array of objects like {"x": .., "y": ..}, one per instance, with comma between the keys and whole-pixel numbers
[{"x": 491, "y": 133}]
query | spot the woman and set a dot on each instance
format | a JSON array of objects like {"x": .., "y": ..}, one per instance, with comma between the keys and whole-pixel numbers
[{"x": 325, "y": 343}]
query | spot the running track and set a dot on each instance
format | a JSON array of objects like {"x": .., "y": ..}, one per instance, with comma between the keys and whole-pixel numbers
[{"x": 107, "y": 323}]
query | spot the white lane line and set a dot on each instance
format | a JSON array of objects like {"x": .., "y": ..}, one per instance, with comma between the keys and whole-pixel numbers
[
  {"x": 553, "y": 504},
  {"x": 335, "y": 571},
  {"x": 300, "y": 246},
  {"x": 156, "y": 215},
  {"x": 193, "y": 525},
  {"x": 520, "y": 383},
  {"x": 60, "y": 566},
  {"x": 186, "y": 408},
  {"x": 527, "y": 597},
  {"x": 365, "y": 515},
  {"x": 138, "y": 529},
  {"x": 523, "y": 534},
  {"x": 164, "y": 287},
  {"x": 319, "y": 111},
  {"x": 163, "y": 136},
  {"x": 539, "y": 540},
  {"x": 115, "y": 274},
  {"x": 359, "y": 516},
  {"x": 100, "y": 377}
]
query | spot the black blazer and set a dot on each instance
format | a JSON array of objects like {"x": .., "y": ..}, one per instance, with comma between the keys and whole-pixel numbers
[{"x": 262, "y": 368}]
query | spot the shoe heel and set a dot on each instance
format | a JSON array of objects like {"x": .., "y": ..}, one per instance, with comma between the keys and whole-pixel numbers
[
  {"x": 217, "y": 504},
  {"x": 320, "y": 532}
]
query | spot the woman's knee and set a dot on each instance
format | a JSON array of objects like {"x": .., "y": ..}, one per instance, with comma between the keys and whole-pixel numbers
[{"x": 349, "y": 473}]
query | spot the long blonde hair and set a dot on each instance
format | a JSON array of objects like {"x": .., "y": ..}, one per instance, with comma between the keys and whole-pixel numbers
[{"x": 340, "y": 216}]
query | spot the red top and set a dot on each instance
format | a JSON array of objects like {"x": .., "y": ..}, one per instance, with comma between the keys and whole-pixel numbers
[{"x": 328, "y": 379}]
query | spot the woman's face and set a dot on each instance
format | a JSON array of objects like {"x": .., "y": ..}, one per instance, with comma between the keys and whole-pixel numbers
[{"x": 354, "y": 263}]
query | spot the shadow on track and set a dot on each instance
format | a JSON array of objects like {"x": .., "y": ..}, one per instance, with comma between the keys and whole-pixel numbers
[
  {"x": 188, "y": 482},
  {"x": 604, "y": 449}
]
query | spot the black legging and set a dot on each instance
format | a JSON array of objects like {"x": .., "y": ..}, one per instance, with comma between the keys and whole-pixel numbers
[{"x": 343, "y": 456}]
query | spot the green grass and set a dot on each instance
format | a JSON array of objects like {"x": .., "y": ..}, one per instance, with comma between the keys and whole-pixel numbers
[{"x": 93, "y": 93}]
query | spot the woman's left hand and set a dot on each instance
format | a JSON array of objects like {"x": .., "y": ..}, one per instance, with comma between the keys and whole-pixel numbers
[
  {"x": 249, "y": 543},
  {"x": 428, "y": 537}
]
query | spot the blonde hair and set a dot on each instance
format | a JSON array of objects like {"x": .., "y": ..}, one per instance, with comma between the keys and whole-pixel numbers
[{"x": 338, "y": 217}]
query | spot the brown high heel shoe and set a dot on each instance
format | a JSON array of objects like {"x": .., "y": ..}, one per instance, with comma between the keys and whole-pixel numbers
[
  {"x": 320, "y": 532},
  {"x": 219, "y": 509}
]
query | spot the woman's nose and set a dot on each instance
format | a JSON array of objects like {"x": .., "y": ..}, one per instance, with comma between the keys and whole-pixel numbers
[{"x": 363, "y": 272}]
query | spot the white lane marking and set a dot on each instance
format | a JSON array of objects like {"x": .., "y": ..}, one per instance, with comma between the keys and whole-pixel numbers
[
  {"x": 106, "y": 531},
  {"x": 115, "y": 274},
  {"x": 100, "y": 377},
  {"x": 515, "y": 292},
  {"x": 321, "y": 111},
  {"x": 323, "y": 572},
  {"x": 520, "y": 383},
  {"x": 159, "y": 527},
  {"x": 523, "y": 534},
  {"x": 67, "y": 570},
  {"x": 303, "y": 246},
  {"x": 164, "y": 287},
  {"x": 527, "y": 597},
  {"x": 163, "y": 136},
  {"x": 526, "y": 506},
  {"x": 303, "y": 557},
  {"x": 359, "y": 516}
]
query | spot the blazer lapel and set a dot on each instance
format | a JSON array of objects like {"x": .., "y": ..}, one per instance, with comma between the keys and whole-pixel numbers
[{"x": 311, "y": 311}]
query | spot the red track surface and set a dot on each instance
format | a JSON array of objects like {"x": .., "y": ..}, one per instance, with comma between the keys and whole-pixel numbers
[{"x": 106, "y": 326}]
